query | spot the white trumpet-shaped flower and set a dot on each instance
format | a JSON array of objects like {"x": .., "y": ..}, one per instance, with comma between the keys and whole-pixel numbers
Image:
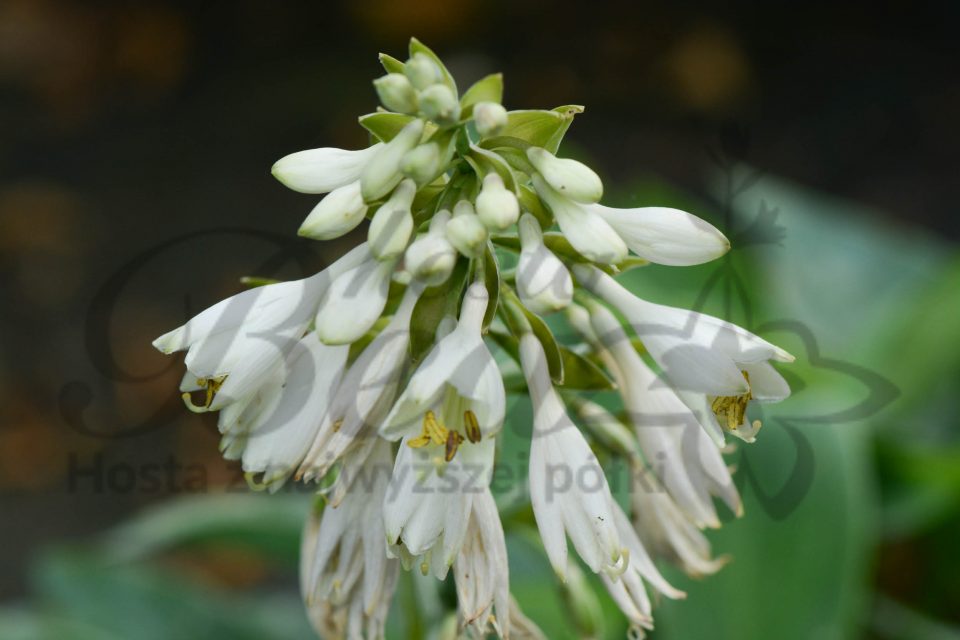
[
  {"x": 278, "y": 425},
  {"x": 664, "y": 235},
  {"x": 382, "y": 172},
  {"x": 481, "y": 572},
  {"x": 346, "y": 579},
  {"x": 392, "y": 224},
  {"x": 430, "y": 258},
  {"x": 568, "y": 490},
  {"x": 666, "y": 531},
  {"x": 570, "y": 178},
  {"x": 543, "y": 282},
  {"x": 322, "y": 170},
  {"x": 339, "y": 213},
  {"x": 234, "y": 344},
  {"x": 458, "y": 383},
  {"x": 497, "y": 206},
  {"x": 365, "y": 393},
  {"x": 697, "y": 352},
  {"x": 586, "y": 231},
  {"x": 354, "y": 301},
  {"x": 427, "y": 508},
  {"x": 629, "y": 591},
  {"x": 686, "y": 461}
]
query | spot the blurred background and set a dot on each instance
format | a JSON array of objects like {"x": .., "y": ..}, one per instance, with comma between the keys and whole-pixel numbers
[{"x": 135, "y": 187}]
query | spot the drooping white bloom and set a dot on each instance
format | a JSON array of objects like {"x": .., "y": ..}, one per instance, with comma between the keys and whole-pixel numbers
[
  {"x": 697, "y": 352},
  {"x": 665, "y": 236},
  {"x": 322, "y": 170},
  {"x": 569, "y": 178},
  {"x": 382, "y": 172},
  {"x": 346, "y": 579},
  {"x": 458, "y": 382},
  {"x": 686, "y": 461},
  {"x": 392, "y": 224},
  {"x": 666, "y": 531},
  {"x": 430, "y": 258},
  {"x": 232, "y": 345},
  {"x": 543, "y": 282},
  {"x": 396, "y": 93},
  {"x": 489, "y": 117},
  {"x": 568, "y": 490},
  {"x": 337, "y": 214},
  {"x": 497, "y": 206},
  {"x": 366, "y": 392},
  {"x": 279, "y": 425},
  {"x": 354, "y": 301},
  {"x": 465, "y": 231},
  {"x": 427, "y": 508},
  {"x": 628, "y": 591},
  {"x": 589, "y": 234},
  {"x": 481, "y": 572}
]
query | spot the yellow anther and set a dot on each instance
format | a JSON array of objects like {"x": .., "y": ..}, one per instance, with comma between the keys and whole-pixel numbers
[
  {"x": 436, "y": 431},
  {"x": 337, "y": 425},
  {"x": 211, "y": 386},
  {"x": 731, "y": 410},
  {"x": 453, "y": 442},
  {"x": 472, "y": 427}
]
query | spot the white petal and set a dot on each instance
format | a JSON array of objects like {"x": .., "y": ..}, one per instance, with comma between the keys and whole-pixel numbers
[
  {"x": 766, "y": 384},
  {"x": 337, "y": 214},
  {"x": 322, "y": 170},
  {"x": 279, "y": 443},
  {"x": 589, "y": 234},
  {"x": 666, "y": 236},
  {"x": 354, "y": 302}
]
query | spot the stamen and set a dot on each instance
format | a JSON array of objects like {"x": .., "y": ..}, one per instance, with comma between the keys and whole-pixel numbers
[
  {"x": 453, "y": 442},
  {"x": 472, "y": 427},
  {"x": 433, "y": 432},
  {"x": 211, "y": 385},
  {"x": 731, "y": 410}
]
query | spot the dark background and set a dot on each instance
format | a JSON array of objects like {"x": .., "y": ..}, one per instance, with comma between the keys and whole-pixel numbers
[{"x": 129, "y": 125}]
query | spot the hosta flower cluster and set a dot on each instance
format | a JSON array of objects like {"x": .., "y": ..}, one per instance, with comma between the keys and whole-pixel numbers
[{"x": 381, "y": 378}]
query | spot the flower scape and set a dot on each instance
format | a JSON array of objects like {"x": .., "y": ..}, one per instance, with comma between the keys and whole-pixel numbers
[{"x": 377, "y": 378}]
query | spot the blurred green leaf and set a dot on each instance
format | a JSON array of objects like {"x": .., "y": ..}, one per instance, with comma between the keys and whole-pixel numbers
[
  {"x": 270, "y": 524},
  {"x": 486, "y": 89}
]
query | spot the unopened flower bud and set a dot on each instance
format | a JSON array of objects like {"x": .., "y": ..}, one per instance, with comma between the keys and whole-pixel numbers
[
  {"x": 392, "y": 224},
  {"x": 337, "y": 214},
  {"x": 437, "y": 103},
  {"x": 422, "y": 71},
  {"x": 423, "y": 163},
  {"x": 431, "y": 257},
  {"x": 497, "y": 206},
  {"x": 382, "y": 173},
  {"x": 465, "y": 231},
  {"x": 489, "y": 117},
  {"x": 543, "y": 282},
  {"x": 396, "y": 93},
  {"x": 570, "y": 178}
]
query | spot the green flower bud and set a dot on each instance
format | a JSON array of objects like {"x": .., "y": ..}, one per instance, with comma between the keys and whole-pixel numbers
[
  {"x": 438, "y": 103},
  {"x": 465, "y": 231},
  {"x": 570, "y": 178},
  {"x": 423, "y": 163},
  {"x": 422, "y": 71},
  {"x": 392, "y": 224},
  {"x": 490, "y": 118},
  {"x": 431, "y": 257},
  {"x": 497, "y": 206},
  {"x": 382, "y": 173},
  {"x": 396, "y": 93}
]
